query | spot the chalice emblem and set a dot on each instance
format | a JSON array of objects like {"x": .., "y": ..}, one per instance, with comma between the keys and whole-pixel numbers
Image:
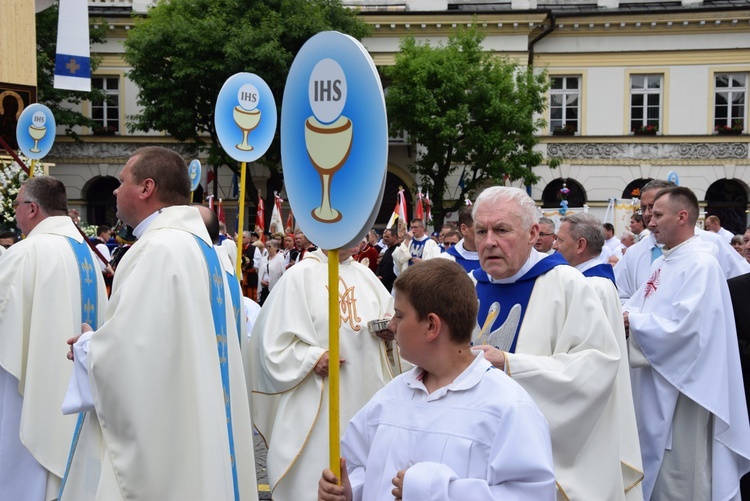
[
  {"x": 247, "y": 114},
  {"x": 37, "y": 130},
  {"x": 328, "y": 134}
]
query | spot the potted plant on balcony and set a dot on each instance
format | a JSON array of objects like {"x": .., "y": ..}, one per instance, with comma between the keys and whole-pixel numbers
[
  {"x": 646, "y": 130},
  {"x": 568, "y": 129},
  {"x": 735, "y": 129}
]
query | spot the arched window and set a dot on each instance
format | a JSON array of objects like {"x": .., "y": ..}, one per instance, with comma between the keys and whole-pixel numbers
[
  {"x": 390, "y": 196},
  {"x": 727, "y": 199},
  {"x": 633, "y": 190},
  {"x": 551, "y": 195},
  {"x": 101, "y": 201}
]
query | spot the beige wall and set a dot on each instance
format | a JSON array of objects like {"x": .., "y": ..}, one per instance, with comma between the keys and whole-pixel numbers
[{"x": 18, "y": 42}]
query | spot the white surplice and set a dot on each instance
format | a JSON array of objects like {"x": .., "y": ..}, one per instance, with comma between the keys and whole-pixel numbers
[
  {"x": 425, "y": 249},
  {"x": 455, "y": 443},
  {"x": 684, "y": 344},
  {"x": 159, "y": 429},
  {"x": 40, "y": 308},
  {"x": 290, "y": 402}
]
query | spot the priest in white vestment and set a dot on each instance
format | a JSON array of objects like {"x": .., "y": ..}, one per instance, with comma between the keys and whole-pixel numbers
[
  {"x": 289, "y": 360},
  {"x": 632, "y": 270},
  {"x": 544, "y": 324},
  {"x": 167, "y": 410},
  {"x": 40, "y": 305},
  {"x": 685, "y": 366}
]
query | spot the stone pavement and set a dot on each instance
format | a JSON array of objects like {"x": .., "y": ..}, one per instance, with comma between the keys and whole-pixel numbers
[{"x": 260, "y": 467}]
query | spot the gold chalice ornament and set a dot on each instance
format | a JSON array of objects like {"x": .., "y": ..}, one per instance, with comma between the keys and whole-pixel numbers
[
  {"x": 37, "y": 133},
  {"x": 328, "y": 146},
  {"x": 247, "y": 120}
]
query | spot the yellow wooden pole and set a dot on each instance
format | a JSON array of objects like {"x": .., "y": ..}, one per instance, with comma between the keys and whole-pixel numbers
[
  {"x": 334, "y": 434},
  {"x": 31, "y": 168},
  {"x": 241, "y": 223}
]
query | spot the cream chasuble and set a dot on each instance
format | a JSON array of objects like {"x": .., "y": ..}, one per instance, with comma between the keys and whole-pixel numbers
[
  {"x": 290, "y": 402},
  {"x": 40, "y": 308}
]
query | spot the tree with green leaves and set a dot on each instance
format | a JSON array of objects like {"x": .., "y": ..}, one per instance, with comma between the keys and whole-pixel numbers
[
  {"x": 184, "y": 50},
  {"x": 466, "y": 109},
  {"x": 60, "y": 101}
]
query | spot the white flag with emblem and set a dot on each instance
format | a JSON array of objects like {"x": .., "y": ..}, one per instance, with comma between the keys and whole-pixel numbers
[{"x": 72, "y": 61}]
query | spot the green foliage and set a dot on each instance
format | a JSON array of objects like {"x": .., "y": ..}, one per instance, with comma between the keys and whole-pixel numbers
[
  {"x": 57, "y": 100},
  {"x": 465, "y": 107},
  {"x": 184, "y": 50}
]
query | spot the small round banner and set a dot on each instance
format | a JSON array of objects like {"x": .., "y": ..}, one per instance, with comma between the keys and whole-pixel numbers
[
  {"x": 194, "y": 171},
  {"x": 672, "y": 177},
  {"x": 245, "y": 117},
  {"x": 35, "y": 132},
  {"x": 334, "y": 140}
]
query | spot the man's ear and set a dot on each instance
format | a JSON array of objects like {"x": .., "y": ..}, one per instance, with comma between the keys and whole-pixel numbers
[
  {"x": 148, "y": 188},
  {"x": 434, "y": 325}
]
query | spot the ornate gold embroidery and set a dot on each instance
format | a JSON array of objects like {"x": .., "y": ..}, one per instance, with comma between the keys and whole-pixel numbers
[{"x": 348, "y": 307}]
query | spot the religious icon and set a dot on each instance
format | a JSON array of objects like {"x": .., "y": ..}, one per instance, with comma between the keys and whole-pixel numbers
[
  {"x": 37, "y": 130},
  {"x": 328, "y": 134},
  {"x": 247, "y": 114}
]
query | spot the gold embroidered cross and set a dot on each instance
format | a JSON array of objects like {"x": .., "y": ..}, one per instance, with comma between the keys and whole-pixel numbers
[{"x": 72, "y": 66}]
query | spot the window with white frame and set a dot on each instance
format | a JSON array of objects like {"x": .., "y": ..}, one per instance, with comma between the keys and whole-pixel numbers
[
  {"x": 106, "y": 113},
  {"x": 645, "y": 103},
  {"x": 564, "y": 109},
  {"x": 730, "y": 101}
]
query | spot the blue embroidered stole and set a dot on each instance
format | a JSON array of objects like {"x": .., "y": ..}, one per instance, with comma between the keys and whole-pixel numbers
[
  {"x": 416, "y": 248},
  {"x": 468, "y": 264},
  {"x": 216, "y": 293},
  {"x": 505, "y": 304},
  {"x": 89, "y": 314},
  {"x": 237, "y": 306},
  {"x": 603, "y": 270}
]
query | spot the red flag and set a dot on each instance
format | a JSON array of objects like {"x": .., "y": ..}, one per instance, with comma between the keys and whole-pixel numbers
[
  {"x": 260, "y": 217},
  {"x": 290, "y": 222},
  {"x": 420, "y": 209},
  {"x": 220, "y": 213}
]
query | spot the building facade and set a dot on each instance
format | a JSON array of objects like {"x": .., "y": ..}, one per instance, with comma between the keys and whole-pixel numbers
[{"x": 639, "y": 90}]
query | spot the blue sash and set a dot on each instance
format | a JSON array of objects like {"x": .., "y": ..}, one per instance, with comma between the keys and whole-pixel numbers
[
  {"x": 234, "y": 290},
  {"x": 216, "y": 293},
  {"x": 89, "y": 314},
  {"x": 506, "y": 304}
]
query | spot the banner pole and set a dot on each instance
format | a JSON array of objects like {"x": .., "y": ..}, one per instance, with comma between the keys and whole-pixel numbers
[
  {"x": 241, "y": 217},
  {"x": 334, "y": 434}
]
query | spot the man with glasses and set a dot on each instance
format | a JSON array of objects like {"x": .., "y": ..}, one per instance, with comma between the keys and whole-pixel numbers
[
  {"x": 546, "y": 240},
  {"x": 416, "y": 247},
  {"x": 41, "y": 280},
  {"x": 464, "y": 252}
]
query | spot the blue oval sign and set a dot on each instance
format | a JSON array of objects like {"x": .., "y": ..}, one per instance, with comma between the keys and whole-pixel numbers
[
  {"x": 245, "y": 117},
  {"x": 672, "y": 177},
  {"x": 194, "y": 171},
  {"x": 36, "y": 130},
  {"x": 334, "y": 140}
]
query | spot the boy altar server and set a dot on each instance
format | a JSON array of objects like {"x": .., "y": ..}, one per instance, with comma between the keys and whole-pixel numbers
[{"x": 434, "y": 432}]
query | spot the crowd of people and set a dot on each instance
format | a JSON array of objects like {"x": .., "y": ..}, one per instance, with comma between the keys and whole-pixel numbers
[{"x": 505, "y": 356}]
